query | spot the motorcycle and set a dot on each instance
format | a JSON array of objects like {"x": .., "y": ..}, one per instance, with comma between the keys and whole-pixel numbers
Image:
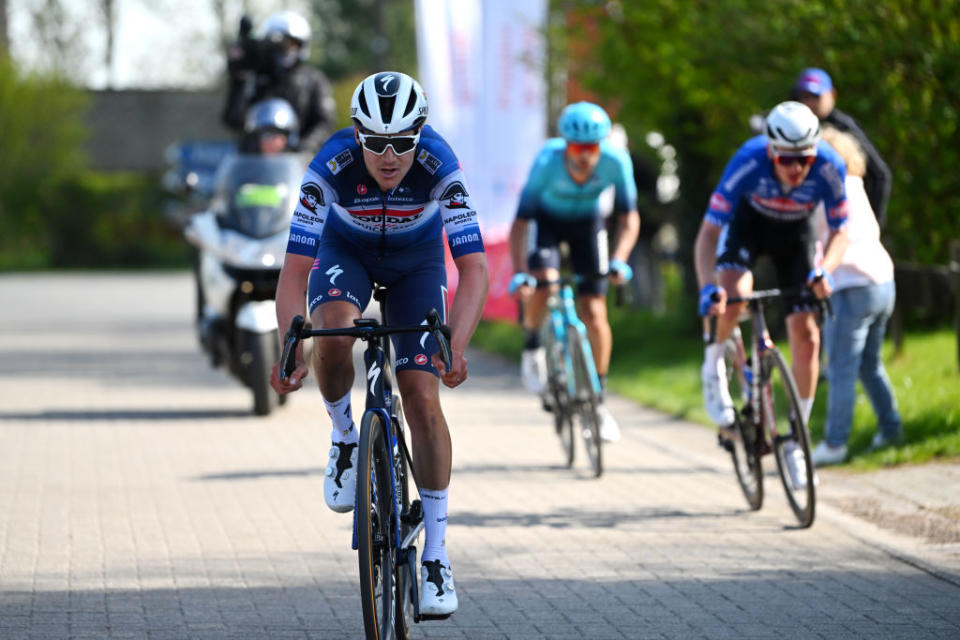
[{"x": 241, "y": 241}]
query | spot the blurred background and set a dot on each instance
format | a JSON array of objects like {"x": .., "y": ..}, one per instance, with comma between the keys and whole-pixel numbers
[{"x": 100, "y": 100}]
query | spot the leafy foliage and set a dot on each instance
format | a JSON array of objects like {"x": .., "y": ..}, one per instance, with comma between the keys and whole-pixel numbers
[{"x": 696, "y": 70}]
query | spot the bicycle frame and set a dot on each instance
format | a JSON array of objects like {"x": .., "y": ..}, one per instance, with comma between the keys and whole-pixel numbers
[{"x": 563, "y": 318}]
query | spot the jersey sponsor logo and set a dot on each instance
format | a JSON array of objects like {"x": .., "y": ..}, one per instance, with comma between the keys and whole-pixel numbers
[
  {"x": 338, "y": 162},
  {"x": 719, "y": 203},
  {"x": 466, "y": 238},
  {"x": 455, "y": 196},
  {"x": 460, "y": 218},
  {"x": 362, "y": 189},
  {"x": 316, "y": 301},
  {"x": 402, "y": 361},
  {"x": 334, "y": 292},
  {"x": 311, "y": 196},
  {"x": 429, "y": 161},
  {"x": 783, "y": 205},
  {"x": 420, "y": 359},
  {"x": 302, "y": 238}
]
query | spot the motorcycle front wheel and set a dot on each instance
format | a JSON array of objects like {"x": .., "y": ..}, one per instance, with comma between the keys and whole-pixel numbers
[{"x": 258, "y": 353}]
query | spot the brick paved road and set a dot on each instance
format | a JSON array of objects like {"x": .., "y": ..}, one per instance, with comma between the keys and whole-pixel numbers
[{"x": 138, "y": 499}]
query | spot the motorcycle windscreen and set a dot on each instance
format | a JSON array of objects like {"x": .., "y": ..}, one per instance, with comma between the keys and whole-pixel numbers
[{"x": 260, "y": 193}]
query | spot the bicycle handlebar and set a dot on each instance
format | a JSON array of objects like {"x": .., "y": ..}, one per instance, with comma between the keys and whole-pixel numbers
[{"x": 366, "y": 329}]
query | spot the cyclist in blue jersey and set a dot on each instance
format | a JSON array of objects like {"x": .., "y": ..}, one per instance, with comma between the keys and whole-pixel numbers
[
  {"x": 374, "y": 204},
  {"x": 564, "y": 201},
  {"x": 764, "y": 204}
]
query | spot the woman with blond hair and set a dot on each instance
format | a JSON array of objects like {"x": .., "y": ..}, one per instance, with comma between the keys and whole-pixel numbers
[{"x": 863, "y": 298}]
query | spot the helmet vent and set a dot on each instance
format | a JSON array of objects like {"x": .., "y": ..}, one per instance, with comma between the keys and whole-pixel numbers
[
  {"x": 411, "y": 101},
  {"x": 362, "y": 99},
  {"x": 386, "y": 108}
]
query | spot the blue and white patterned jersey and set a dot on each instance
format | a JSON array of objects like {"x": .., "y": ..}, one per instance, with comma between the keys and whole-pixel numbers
[
  {"x": 749, "y": 177},
  {"x": 338, "y": 193},
  {"x": 552, "y": 191}
]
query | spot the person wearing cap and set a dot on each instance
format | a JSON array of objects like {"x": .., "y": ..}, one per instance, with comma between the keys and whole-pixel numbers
[
  {"x": 815, "y": 88},
  {"x": 764, "y": 204}
]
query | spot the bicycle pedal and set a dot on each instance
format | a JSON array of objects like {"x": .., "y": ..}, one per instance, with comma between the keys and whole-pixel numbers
[{"x": 414, "y": 514}]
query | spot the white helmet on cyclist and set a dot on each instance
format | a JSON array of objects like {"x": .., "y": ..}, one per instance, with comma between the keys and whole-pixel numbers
[
  {"x": 792, "y": 125},
  {"x": 287, "y": 24},
  {"x": 388, "y": 102}
]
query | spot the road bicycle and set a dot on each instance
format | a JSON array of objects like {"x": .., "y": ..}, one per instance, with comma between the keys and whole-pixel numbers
[
  {"x": 767, "y": 413},
  {"x": 572, "y": 392},
  {"x": 386, "y": 523}
]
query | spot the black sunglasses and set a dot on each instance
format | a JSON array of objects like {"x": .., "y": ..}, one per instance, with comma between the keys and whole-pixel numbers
[
  {"x": 786, "y": 161},
  {"x": 378, "y": 144}
]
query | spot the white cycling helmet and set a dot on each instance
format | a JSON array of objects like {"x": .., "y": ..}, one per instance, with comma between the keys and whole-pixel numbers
[
  {"x": 792, "y": 125},
  {"x": 288, "y": 24},
  {"x": 388, "y": 102}
]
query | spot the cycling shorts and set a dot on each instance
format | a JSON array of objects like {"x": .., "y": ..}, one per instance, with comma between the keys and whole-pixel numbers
[
  {"x": 416, "y": 281},
  {"x": 587, "y": 242},
  {"x": 791, "y": 246}
]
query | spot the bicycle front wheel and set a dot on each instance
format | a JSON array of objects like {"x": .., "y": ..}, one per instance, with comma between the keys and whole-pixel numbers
[
  {"x": 403, "y": 574},
  {"x": 586, "y": 399},
  {"x": 745, "y": 441},
  {"x": 558, "y": 397},
  {"x": 375, "y": 509},
  {"x": 789, "y": 437}
]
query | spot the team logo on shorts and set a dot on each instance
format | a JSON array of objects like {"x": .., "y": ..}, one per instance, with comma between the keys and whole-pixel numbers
[
  {"x": 420, "y": 359},
  {"x": 311, "y": 196},
  {"x": 333, "y": 292},
  {"x": 362, "y": 189}
]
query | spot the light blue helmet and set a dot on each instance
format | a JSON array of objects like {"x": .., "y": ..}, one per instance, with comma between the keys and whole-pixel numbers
[
  {"x": 272, "y": 114},
  {"x": 584, "y": 122}
]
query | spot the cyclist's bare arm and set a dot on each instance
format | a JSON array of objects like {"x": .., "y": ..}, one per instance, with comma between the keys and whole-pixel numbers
[
  {"x": 626, "y": 234},
  {"x": 518, "y": 244},
  {"x": 291, "y": 301},
  {"x": 465, "y": 313},
  {"x": 837, "y": 243},
  {"x": 705, "y": 258}
]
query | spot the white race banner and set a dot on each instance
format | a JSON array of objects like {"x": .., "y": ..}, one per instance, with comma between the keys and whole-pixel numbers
[{"x": 482, "y": 67}]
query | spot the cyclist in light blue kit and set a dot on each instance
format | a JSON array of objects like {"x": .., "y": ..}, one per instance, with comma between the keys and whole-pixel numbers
[
  {"x": 564, "y": 200},
  {"x": 374, "y": 204},
  {"x": 764, "y": 204}
]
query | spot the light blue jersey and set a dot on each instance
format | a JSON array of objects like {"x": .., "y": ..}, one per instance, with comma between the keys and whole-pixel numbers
[{"x": 552, "y": 192}]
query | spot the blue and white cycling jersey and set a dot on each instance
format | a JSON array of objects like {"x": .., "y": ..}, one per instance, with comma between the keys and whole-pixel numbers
[
  {"x": 749, "y": 178},
  {"x": 338, "y": 193},
  {"x": 552, "y": 191}
]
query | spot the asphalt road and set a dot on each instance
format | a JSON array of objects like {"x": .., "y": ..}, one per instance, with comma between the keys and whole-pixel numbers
[{"x": 140, "y": 499}]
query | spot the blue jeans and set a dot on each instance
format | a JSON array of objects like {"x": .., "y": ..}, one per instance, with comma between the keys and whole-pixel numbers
[{"x": 853, "y": 339}]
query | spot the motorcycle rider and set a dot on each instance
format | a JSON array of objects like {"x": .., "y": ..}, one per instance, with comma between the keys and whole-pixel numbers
[{"x": 274, "y": 66}]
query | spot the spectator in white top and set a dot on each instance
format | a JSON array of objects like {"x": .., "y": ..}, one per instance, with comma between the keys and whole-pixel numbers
[{"x": 863, "y": 298}]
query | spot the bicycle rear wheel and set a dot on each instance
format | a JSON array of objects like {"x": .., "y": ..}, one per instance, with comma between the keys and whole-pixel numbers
[
  {"x": 745, "y": 441},
  {"x": 558, "y": 396},
  {"x": 586, "y": 400},
  {"x": 783, "y": 420},
  {"x": 375, "y": 509}
]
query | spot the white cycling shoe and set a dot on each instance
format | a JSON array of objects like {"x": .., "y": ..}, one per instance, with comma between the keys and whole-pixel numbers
[
  {"x": 609, "y": 429},
  {"x": 797, "y": 466},
  {"x": 716, "y": 394},
  {"x": 533, "y": 369},
  {"x": 340, "y": 481},
  {"x": 438, "y": 596}
]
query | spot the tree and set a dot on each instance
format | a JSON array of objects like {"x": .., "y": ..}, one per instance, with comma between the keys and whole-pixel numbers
[{"x": 697, "y": 70}]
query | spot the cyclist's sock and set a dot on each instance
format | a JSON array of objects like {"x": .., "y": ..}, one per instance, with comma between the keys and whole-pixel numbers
[
  {"x": 343, "y": 428},
  {"x": 531, "y": 339},
  {"x": 435, "y": 524},
  {"x": 806, "y": 408},
  {"x": 712, "y": 353}
]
